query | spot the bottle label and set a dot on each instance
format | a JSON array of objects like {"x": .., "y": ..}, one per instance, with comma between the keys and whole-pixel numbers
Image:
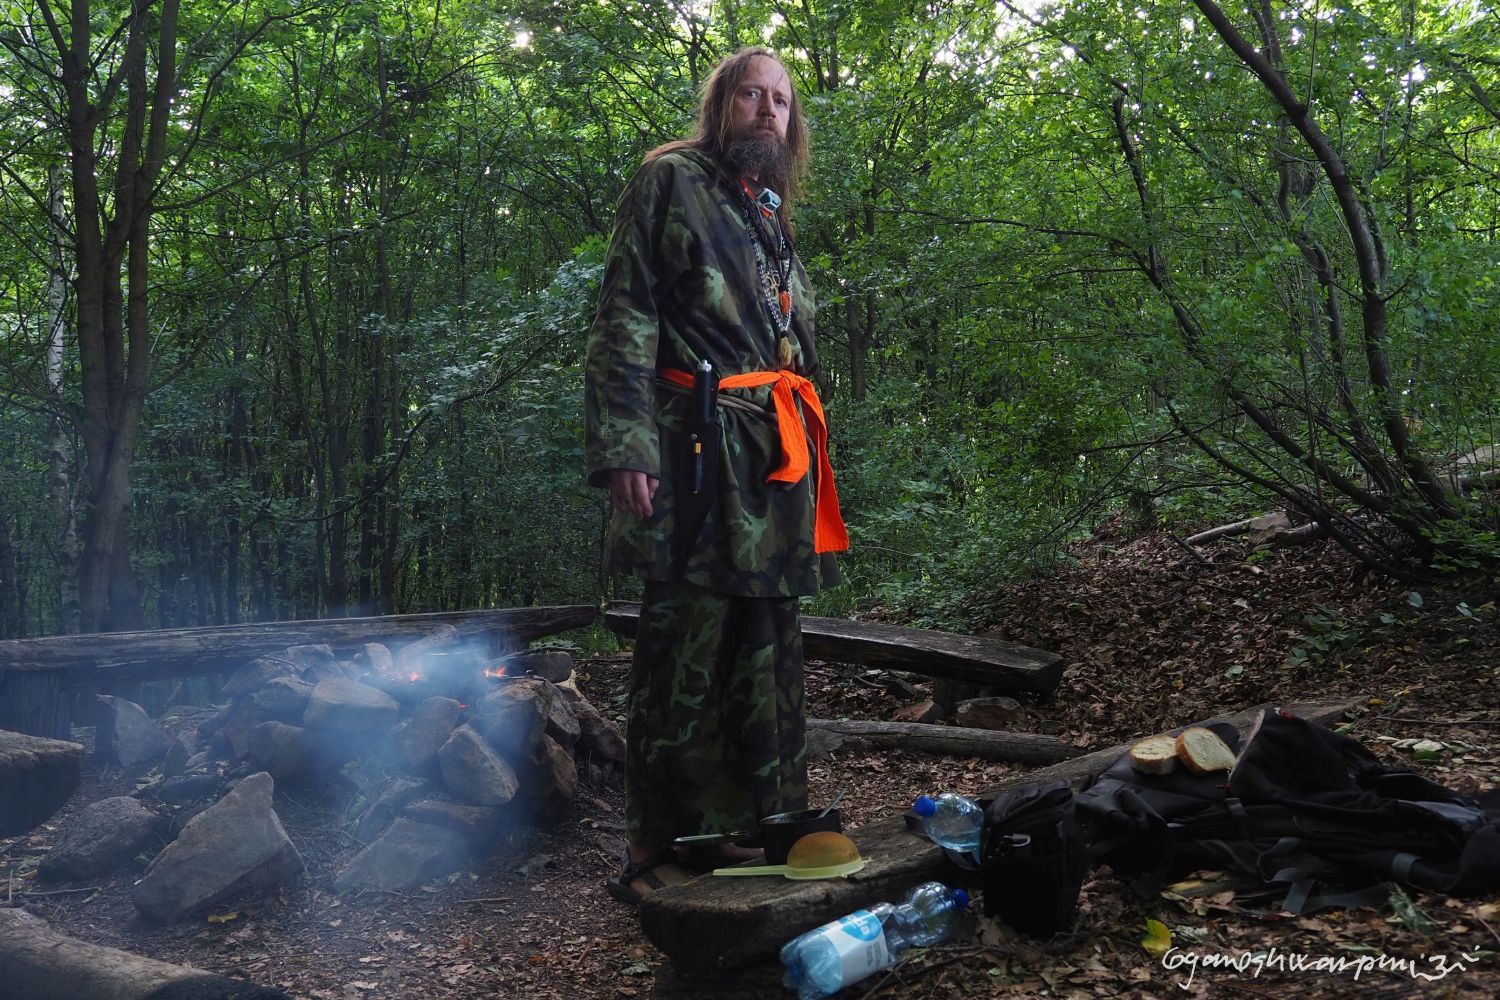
[{"x": 859, "y": 940}]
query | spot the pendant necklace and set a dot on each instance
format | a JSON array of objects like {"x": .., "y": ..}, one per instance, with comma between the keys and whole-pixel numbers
[{"x": 763, "y": 207}]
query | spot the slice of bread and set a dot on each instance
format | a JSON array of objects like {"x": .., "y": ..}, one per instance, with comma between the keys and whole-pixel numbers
[
  {"x": 1154, "y": 755},
  {"x": 1202, "y": 751}
]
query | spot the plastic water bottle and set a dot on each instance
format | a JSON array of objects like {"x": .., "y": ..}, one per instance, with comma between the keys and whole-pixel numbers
[
  {"x": 828, "y": 958},
  {"x": 952, "y": 821}
]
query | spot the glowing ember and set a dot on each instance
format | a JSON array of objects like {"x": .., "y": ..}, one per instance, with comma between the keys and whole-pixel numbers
[
  {"x": 497, "y": 672},
  {"x": 414, "y": 676}
]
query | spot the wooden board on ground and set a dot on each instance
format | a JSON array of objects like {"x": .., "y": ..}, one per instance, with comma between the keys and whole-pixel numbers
[
  {"x": 129, "y": 656},
  {"x": 954, "y": 741},
  {"x": 992, "y": 662},
  {"x": 36, "y": 777},
  {"x": 725, "y": 923},
  {"x": 38, "y": 963}
]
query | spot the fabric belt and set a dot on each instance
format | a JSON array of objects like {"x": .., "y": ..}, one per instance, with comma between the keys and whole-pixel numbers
[{"x": 829, "y": 533}]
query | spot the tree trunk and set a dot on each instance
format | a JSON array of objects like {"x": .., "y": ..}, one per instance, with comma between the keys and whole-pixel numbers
[
  {"x": 59, "y": 442},
  {"x": 113, "y": 322}
]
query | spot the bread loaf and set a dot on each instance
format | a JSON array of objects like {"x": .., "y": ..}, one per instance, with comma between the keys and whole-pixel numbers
[
  {"x": 1154, "y": 755},
  {"x": 1202, "y": 751}
]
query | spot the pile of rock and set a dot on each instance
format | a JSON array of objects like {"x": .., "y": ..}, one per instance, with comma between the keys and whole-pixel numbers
[{"x": 447, "y": 752}]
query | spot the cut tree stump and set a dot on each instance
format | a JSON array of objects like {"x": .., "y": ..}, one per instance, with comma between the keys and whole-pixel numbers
[
  {"x": 117, "y": 657},
  {"x": 992, "y": 662},
  {"x": 37, "y": 776},
  {"x": 726, "y": 923},
  {"x": 954, "y": 741},
  {"x": 38, "y": 963}
]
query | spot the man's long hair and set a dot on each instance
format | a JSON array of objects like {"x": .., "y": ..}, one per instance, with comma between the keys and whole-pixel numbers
[{"x": 715, "y": 128}]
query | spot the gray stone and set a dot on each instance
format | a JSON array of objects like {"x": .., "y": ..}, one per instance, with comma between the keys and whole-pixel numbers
[
  {"x": 989, "y": 713},
  {"x": 562, "y": 722},
  {"x": 312, "y": 655},
  {"x": 318, "y": 663},
  {"x": 388, "y": 805},
  {"x": 282, "y": 751},
  {"x": 599, "y": 738},
  {"x": 248, "y": 679},
  {"x": 514, "y": 715},
  {"x": 178, "y": 755},
  {"x": 283, "y": 699},
  {"x": 185, "y": 788},
  {"x": 406, "y": 855},
  {"x": 549, "y": 664},
  {"x": 100, "y": 838},
  {"x": 237, "y": 847},
  {"x": 551, "y": 783},
  {"x": 200, "y": 760},
  {"x": 474, "y": 772},
  {"x": 480, "y": 824},
  {"x": 349, "y": 706},
  {"x": 417, "y": 742},
  {"x": 232, "y": 733},
  {"x": 127, "y": 736},
  {"x": 375, "y": 658}
]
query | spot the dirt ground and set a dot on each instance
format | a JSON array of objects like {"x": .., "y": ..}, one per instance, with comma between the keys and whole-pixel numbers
[{"x": 1152, "y": 636}]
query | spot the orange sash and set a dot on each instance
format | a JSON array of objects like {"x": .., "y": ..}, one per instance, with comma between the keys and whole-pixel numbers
[{"x": 829, "y": 533}]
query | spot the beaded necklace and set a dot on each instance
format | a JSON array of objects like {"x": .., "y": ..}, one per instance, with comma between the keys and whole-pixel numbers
[{"x": 774, "y": 269}]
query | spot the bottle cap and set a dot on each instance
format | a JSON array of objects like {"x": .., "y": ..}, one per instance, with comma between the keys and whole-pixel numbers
[
  {"x": 961, "y": 898},
  {"x": 924, "y": 806}
]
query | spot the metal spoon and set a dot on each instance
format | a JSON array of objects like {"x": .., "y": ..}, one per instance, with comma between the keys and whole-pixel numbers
[{"x": 829, "y": 807}]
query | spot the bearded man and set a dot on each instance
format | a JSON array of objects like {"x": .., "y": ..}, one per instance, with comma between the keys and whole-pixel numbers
[{"x": 728, "y": 521}]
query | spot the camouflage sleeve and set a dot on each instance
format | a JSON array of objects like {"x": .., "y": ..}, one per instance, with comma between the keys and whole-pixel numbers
[{"x": 620, "y": 374}]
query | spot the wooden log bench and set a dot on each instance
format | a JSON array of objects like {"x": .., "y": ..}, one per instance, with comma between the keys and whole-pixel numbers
[
  {"x": 35, "y": 672},
  {"x": 992, "y": 662},
  {"x": 728, "y": 923},
  {"x": 951, "y": 741},
  {"x": 38, "y": 963},
  {"x": 37, "y": 776}
]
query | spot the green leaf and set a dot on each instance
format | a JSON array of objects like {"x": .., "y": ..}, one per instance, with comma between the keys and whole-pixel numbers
[{"x": 1158, "y": 938}]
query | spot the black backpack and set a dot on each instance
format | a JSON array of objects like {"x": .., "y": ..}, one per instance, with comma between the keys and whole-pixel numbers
[
  {"x": 1303, "y": 809},
  {"x": 1033, "y": 858}
]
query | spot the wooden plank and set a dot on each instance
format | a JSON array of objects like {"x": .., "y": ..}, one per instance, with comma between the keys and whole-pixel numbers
[
  {"x": 955, "y": 741},
  {"x": 116, "y": 657},
  {"x": 725, "y": 923},
  {"x": 992, "y": 662},
  {"x": 36, "y": 777}
]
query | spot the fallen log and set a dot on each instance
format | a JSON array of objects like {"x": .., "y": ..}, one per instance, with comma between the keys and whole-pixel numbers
[
  {"x": 725, "y": 923},
  {"x": 38, "y": 963},
  {"x": 36, "y": 777},
  {"x": 1274, "y": 521},
  {"x": 954, "y": 741},
  {"x": 130, "y": 656},
  {"x": 994, "y": 662}
]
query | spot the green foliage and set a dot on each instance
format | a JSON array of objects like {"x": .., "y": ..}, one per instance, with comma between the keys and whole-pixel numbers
[{"x": 374, "y": 259}]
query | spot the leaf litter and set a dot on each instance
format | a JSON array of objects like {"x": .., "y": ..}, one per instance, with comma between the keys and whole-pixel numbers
[{"x": 1151, "y": 638}]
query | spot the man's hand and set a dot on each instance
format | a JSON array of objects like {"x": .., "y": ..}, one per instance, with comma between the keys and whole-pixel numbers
[{"x": 631, "y": 491}]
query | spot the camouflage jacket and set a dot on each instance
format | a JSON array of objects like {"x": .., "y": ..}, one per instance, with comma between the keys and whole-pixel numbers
[{"x": 681, "y": 284}]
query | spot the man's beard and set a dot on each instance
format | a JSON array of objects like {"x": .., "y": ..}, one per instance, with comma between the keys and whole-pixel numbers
[{"x": 764, "y": 157}]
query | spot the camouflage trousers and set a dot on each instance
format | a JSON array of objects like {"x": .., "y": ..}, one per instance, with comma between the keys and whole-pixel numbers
[{"x": 715, "y": 735}]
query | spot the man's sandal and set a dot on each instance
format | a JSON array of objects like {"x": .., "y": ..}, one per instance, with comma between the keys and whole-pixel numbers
[{"x": 645, "y": 871}]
